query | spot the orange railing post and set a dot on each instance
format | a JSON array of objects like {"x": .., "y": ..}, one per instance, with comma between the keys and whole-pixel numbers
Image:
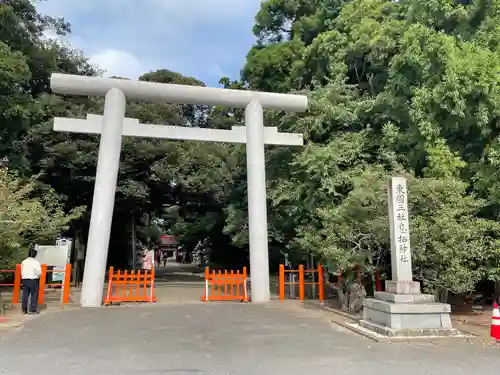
[
  {"x": 43, "y": 280},
  {"x": 214, "y": 283},
  {"x": 152, "y": 291},
  {"x": 207, "y": 278},
  {"x": 137, "y": 283},
  {"x": 233, "y": 284},
  {"x": 17, "y": 285},
  {"x": 124, "y": 285},
  {"x": 219, "y": 283},
  {"x": 301, "y": 283},
  {"x": 110, "y": 286},
  {"x": 139, "y": 287},
  {"x": 244, "y": 281},
  {"x": 321, "y": 284},
  {"x": 227, "y": 281},
  {"x": 66, "y": 284},
  {"x": 282, "y": 282}
]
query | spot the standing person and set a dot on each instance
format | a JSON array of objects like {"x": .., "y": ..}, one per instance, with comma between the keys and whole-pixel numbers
[{"x": 31, "y": 270}]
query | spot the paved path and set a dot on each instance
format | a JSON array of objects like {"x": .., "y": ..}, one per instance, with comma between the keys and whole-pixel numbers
[
  {"x": 181, "y": 335},
  {"x": 198, "y": 338}
]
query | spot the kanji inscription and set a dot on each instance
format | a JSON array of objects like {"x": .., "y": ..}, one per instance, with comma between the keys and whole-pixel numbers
[{"x": 400, "y": 229}]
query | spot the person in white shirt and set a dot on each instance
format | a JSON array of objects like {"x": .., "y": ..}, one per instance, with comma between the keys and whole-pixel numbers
[{"x": 31, "y": 271}]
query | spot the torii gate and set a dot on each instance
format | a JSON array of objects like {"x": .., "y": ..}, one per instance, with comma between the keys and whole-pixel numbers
[{"x": 113, "y": 125}]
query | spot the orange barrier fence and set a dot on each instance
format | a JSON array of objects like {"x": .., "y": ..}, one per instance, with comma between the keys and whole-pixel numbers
[
  {"x": 124, "y": 286},
  {"x": 301, "y": 273},
  {"x": 15, "y": 275},
  {"x": 227, "y": 286},
  {"x": 65, "y": 285},
  {"x": 16, "y": 284}
]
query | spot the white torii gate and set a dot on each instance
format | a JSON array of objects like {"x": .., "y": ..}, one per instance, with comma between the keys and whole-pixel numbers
[{"x": 113, "y": 125}]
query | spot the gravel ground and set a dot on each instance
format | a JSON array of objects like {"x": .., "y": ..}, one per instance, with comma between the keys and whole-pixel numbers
[{"x": 231, "y": 338}]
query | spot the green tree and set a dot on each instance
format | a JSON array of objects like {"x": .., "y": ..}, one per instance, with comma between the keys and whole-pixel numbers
[
  {"x": 396, "y": 87},
  {"x": 28, "y": 214},
  {"x": 154, "y": 174}
]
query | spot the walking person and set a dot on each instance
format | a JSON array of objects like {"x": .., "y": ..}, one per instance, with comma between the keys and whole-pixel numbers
[{"x": 31, "y": 271}]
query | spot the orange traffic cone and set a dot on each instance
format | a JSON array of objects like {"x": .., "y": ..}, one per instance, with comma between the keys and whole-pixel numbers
[{"x": 495, "y": 322}]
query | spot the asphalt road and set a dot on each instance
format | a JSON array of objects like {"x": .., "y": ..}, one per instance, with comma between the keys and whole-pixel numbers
[{"x": 231, "y": 338}]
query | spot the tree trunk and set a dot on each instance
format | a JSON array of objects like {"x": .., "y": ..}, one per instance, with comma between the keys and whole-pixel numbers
[
  {"x": 149, "y": 230},
  {"x": 79, "y": 257},
  {"x": 442, "y": 295},
  {"x": 351, "y": 295},
  {"x": 134, "y": 243},
  {"x": 496, "y": 296}
]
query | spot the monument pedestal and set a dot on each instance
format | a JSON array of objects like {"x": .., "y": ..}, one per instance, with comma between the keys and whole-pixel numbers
[{"x": 402, "y": 311}]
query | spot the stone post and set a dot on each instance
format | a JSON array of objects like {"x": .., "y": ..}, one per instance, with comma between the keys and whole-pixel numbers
[
  {"x": 402, "y": 310},
  {"x": 399, "y": 227}
]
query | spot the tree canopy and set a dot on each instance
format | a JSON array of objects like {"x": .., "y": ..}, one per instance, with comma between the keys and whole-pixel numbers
[{"x": 408, "y": 87}]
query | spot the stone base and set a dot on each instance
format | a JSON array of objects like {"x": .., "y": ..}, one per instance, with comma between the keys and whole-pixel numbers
[
  {"x": 404, "y": 298},
  {"x": 402, "y": 287},
  {"x": 407, "y": 315},
  {"x": 409, "y": 333}
]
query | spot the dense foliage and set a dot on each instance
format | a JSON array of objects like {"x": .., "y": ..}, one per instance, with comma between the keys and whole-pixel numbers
[
  {"x": 27, "y": 217},
  {"x": 408, "y": 87}
]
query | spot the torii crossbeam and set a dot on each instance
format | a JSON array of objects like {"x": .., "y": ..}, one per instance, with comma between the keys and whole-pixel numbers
[
  {"x": 132, "y": 128},
  {"x": 113, "y": 125}
]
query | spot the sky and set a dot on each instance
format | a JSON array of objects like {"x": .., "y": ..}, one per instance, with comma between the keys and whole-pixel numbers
[{"x": 206, "y": 39}]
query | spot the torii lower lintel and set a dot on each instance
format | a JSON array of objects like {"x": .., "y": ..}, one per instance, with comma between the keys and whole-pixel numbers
[{"x": 132, "y": 128}]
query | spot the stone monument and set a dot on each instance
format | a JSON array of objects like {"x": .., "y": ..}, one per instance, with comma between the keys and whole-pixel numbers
[{"x": 402, "y": 310}]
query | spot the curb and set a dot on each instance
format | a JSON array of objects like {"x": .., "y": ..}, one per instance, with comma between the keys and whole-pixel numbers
[{"x": 470, "y": 337}]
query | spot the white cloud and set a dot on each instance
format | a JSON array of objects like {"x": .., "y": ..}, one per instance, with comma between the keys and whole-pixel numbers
[
  {"x": 216, "y": 71},
  {"x": 118, "y": 63},
  {"x": 113, "y": 62},
  {"x": 202, "y": 38},
  {"x": 50, "y": 35},
  {"x": 177, "y": 11},
  {"x": 194, "y": 12},
  {"x": 169, "y": 18}
]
